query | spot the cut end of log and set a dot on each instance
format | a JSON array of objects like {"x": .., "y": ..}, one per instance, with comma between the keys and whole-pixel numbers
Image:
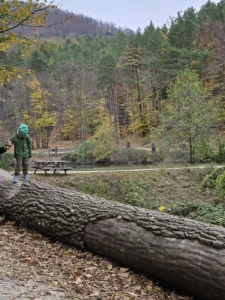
[{"x": 7, "y": 188}]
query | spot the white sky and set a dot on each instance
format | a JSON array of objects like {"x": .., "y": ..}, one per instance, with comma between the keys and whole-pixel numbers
[{"x": 130, "y": 13}]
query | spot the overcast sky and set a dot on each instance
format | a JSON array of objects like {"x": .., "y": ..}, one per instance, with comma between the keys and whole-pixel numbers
[{"x": 131, "y": 13}]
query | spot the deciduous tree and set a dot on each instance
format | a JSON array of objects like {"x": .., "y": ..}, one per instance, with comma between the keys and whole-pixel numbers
[
  {"x": 41, "y": 117},
  {"x": 190, "y": 112},
  {"x": 15, "y": 14}
]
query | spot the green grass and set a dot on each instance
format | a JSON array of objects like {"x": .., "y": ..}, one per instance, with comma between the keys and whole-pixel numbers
[{"x": 175, "y": 192}]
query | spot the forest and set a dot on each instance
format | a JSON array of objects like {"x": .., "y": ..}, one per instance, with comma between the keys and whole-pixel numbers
[
  {"x": 102, "y": 84},
  {"x": 72, "y": 78}
]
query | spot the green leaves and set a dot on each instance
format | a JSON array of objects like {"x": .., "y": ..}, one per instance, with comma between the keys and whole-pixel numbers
[
  {"x": 133, "y": 55},
  {"x": 188, "y": 115},
  {"x": 199, "y": 211},
  {"x": 182, "y": 29}
]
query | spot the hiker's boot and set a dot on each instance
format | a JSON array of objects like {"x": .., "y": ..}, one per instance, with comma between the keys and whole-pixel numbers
[
  {"x": 15, "y": 179},
  {"x": 25, "y": 177}
]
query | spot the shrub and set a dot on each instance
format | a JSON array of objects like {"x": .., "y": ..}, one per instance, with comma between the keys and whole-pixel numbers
[
  {"x": 7, "y": 161},
  {"x": 210, "y": 179},
  {"x": 130, "y": 156},
  {"x": 199, "y": 211},
  {"x": 220, "y": 156},
  {"x": 146, "y": 140},
  {"x": 204, "y": 152},
  {"x": 84, "y": 152},
  {"x": 133, "y": 194},
  {"x": 126, "y": 189},
  {"x": 220, "y": 184},
  {"x": 103, "y": 143},
  {"x": 72, "y": 156},
  {"x": 83, "y": 155},
  {"x": 177, "y": 156}
]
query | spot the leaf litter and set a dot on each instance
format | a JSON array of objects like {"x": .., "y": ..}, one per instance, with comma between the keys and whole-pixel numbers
[{"x": 34, "y": 267}]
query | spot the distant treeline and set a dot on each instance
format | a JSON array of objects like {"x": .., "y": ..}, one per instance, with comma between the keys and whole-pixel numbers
[{"x": 62, "y": 23}]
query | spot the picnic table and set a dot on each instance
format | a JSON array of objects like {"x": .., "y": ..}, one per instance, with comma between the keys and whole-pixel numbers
[{"x": 53, "y": 165}]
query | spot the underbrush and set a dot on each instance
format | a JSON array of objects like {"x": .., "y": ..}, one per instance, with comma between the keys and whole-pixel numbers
[
  {"x": 130, "y": 156},
  {"x": 175, "y": 192},
  {"x": 7, "y": 161},
  {"x": 197, "y": 210},
  {"x": 86, "y": 155},
  {"x": 183, "y": 193}
]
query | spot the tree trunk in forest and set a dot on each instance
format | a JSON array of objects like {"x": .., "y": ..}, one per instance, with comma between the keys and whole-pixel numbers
[
  {"x": 133, "y": 120},
  {"x": 184, "y": 252},
  {"x": 138, "y": 93},
  {"x": 117, "y": 113},
  {"x": 114, "y": 110}
]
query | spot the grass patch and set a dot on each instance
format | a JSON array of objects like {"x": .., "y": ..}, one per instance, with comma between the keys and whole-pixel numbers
[
  {"x": 175, "y": 192},
  {"x": 146, "y": 189}
]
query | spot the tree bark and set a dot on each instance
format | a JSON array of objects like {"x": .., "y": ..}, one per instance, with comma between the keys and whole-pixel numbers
[{"x": 183, "y": 252}]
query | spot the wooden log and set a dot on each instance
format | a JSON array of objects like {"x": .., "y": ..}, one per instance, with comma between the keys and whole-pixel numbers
[{"x": 186, "y": 253}]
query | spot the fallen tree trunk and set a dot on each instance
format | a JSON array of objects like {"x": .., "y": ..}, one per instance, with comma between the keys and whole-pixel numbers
[{"x": 184, "y": 252}]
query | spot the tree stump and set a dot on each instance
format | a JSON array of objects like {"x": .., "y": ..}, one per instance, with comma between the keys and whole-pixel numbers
[{"x": 183, "y": 252}]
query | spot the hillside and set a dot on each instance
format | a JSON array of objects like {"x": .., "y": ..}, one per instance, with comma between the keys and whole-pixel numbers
[{"x": 69, "y": 23}]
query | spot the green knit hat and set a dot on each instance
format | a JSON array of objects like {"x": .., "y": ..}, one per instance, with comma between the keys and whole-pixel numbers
[{"x": 23, "y": 129}]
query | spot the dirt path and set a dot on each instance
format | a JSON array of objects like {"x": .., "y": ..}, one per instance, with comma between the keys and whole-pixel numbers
[{"x": 122, "y": 170}]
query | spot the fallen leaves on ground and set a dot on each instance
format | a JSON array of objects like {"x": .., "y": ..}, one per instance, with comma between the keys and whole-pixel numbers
[{"x": 50, "y": 270}]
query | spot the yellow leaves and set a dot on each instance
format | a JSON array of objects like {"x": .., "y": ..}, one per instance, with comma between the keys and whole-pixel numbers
[
  {"x": 15, "y": 14},
  {"x": 164, "y": 36},
  {"x": 32, "y": 13},
  {"x": 19, "y": 77},
  {"x": 7, "y": 41},
  {"x": 6, "y": 74},
  {"x": 162, "y": 208},
  {"x": 42, "y": 114},
  {"x": 68, "y": 21},
  {"x": 103, "y": 113},
  {"x": 27, "y": 118},
  {"x": 70, "y": 122}
]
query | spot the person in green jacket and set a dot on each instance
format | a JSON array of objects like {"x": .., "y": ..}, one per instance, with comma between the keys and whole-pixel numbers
[{"x": 22, "y": 152}]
